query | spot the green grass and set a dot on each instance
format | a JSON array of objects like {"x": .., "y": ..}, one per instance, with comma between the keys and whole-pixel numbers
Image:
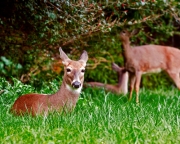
[{"x": 99, "y": 117}]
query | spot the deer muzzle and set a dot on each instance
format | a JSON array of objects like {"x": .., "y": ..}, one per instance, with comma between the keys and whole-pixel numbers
[{"x": 76, "y": 84}]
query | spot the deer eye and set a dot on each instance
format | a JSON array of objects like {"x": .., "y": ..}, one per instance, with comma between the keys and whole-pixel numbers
[
  {"x": 83, "y": 70},
  {"x": 68, "y": 70},
  {"x": 124, "y": 32}
]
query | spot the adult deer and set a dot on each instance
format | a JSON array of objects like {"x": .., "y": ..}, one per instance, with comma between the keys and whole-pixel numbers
[
  {"x": 64, "y": 99},
  {"x": 121, "y": 87},
  {"x": 149, "y": 58}
]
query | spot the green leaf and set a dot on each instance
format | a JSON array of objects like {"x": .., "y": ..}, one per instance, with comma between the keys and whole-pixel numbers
[
  {"x": 19, "y": 66},
  {"x": 6, "y": 61},
  {"x": 1, "y": 65}
]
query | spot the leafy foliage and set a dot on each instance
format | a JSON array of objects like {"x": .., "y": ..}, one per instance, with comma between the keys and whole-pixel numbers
[
  {"x": 32, "y": 31},
  {"x": 8, "y": 68}
]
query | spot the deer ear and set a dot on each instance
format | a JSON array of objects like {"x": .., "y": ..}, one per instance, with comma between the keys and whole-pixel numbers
[
  {"x": 84, "y": 57},
  {"x": 115, "y": 67},
  {"x": 64, "y": 57},
  {"x": 135, "y": 32}
]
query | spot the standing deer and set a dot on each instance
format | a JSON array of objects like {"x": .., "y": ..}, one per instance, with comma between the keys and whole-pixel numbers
[
  {"x": 64, "y": 99},
  {"x": 149, "y": 58},
  {"x": 121, "y": 87}
]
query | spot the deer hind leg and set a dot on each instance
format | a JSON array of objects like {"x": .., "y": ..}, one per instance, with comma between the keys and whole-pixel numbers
[
  {"x": 175, "y": 77},
  {"x": 132, "y": 82},
  {"x": 137, "y": 85}
]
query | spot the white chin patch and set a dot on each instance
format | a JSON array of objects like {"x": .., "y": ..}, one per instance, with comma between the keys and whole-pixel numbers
[{"x": 74, "y": 90}]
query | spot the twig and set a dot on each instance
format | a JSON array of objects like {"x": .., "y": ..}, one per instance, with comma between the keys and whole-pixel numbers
[{"x": 1, "y": 91}]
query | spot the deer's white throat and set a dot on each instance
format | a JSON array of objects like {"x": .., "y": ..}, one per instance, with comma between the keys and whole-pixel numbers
[{"x": 74, "y": 90}]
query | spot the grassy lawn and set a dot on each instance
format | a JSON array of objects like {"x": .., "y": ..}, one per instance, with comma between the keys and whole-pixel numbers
[{"x": 99, "y": 117}]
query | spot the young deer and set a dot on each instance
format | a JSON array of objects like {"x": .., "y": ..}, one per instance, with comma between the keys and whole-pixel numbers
[
  {"x": 149, "y": 58},
  {"x": 64, "y": 99},
  {"x": 121, "y": 87}
]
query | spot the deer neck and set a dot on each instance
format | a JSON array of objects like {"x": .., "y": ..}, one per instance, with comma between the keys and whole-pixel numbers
[
  {"x": 126, "y": 50},
  {"x": 66, "y": 96}
]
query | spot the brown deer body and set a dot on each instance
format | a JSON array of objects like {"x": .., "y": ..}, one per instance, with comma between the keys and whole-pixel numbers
[
  {"x": 64, "y": 99},
  {"x": 149, "y": 58},
  {"x": 121, "y": 87}
]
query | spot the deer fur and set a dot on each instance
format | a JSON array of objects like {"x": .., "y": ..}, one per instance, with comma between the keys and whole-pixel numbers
[
  {"x": 64, "y": 99},
  {"x": 149, "y": 58},
  {"x": 121, "y": 87}
]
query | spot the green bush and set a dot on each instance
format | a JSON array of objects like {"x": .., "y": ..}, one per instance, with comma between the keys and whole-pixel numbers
[{"x": 32, "y": 31}]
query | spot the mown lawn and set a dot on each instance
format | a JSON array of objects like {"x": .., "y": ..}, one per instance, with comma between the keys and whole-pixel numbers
[{"x": 99, "y": 117}]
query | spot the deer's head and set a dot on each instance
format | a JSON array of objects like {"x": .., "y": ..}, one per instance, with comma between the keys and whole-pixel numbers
[
  {"x": 74, "y": 70},
  {"x": 125, "y": 35}
]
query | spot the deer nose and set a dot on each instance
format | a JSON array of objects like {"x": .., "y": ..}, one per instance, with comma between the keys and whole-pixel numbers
[{"x": 76, "y": 84}]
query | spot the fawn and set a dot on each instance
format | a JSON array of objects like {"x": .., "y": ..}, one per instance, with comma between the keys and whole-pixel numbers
[
  {"x": 121, "y": 87},
  {"x": 149, "y": 58},
  {"x": 64, "y": 99}
]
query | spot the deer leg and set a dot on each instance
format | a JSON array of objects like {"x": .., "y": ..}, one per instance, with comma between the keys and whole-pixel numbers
[
  {"x": 137, "y": 85},
  {"x": 132, "y": 82},
  {"x": 175, "y": 77}
]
